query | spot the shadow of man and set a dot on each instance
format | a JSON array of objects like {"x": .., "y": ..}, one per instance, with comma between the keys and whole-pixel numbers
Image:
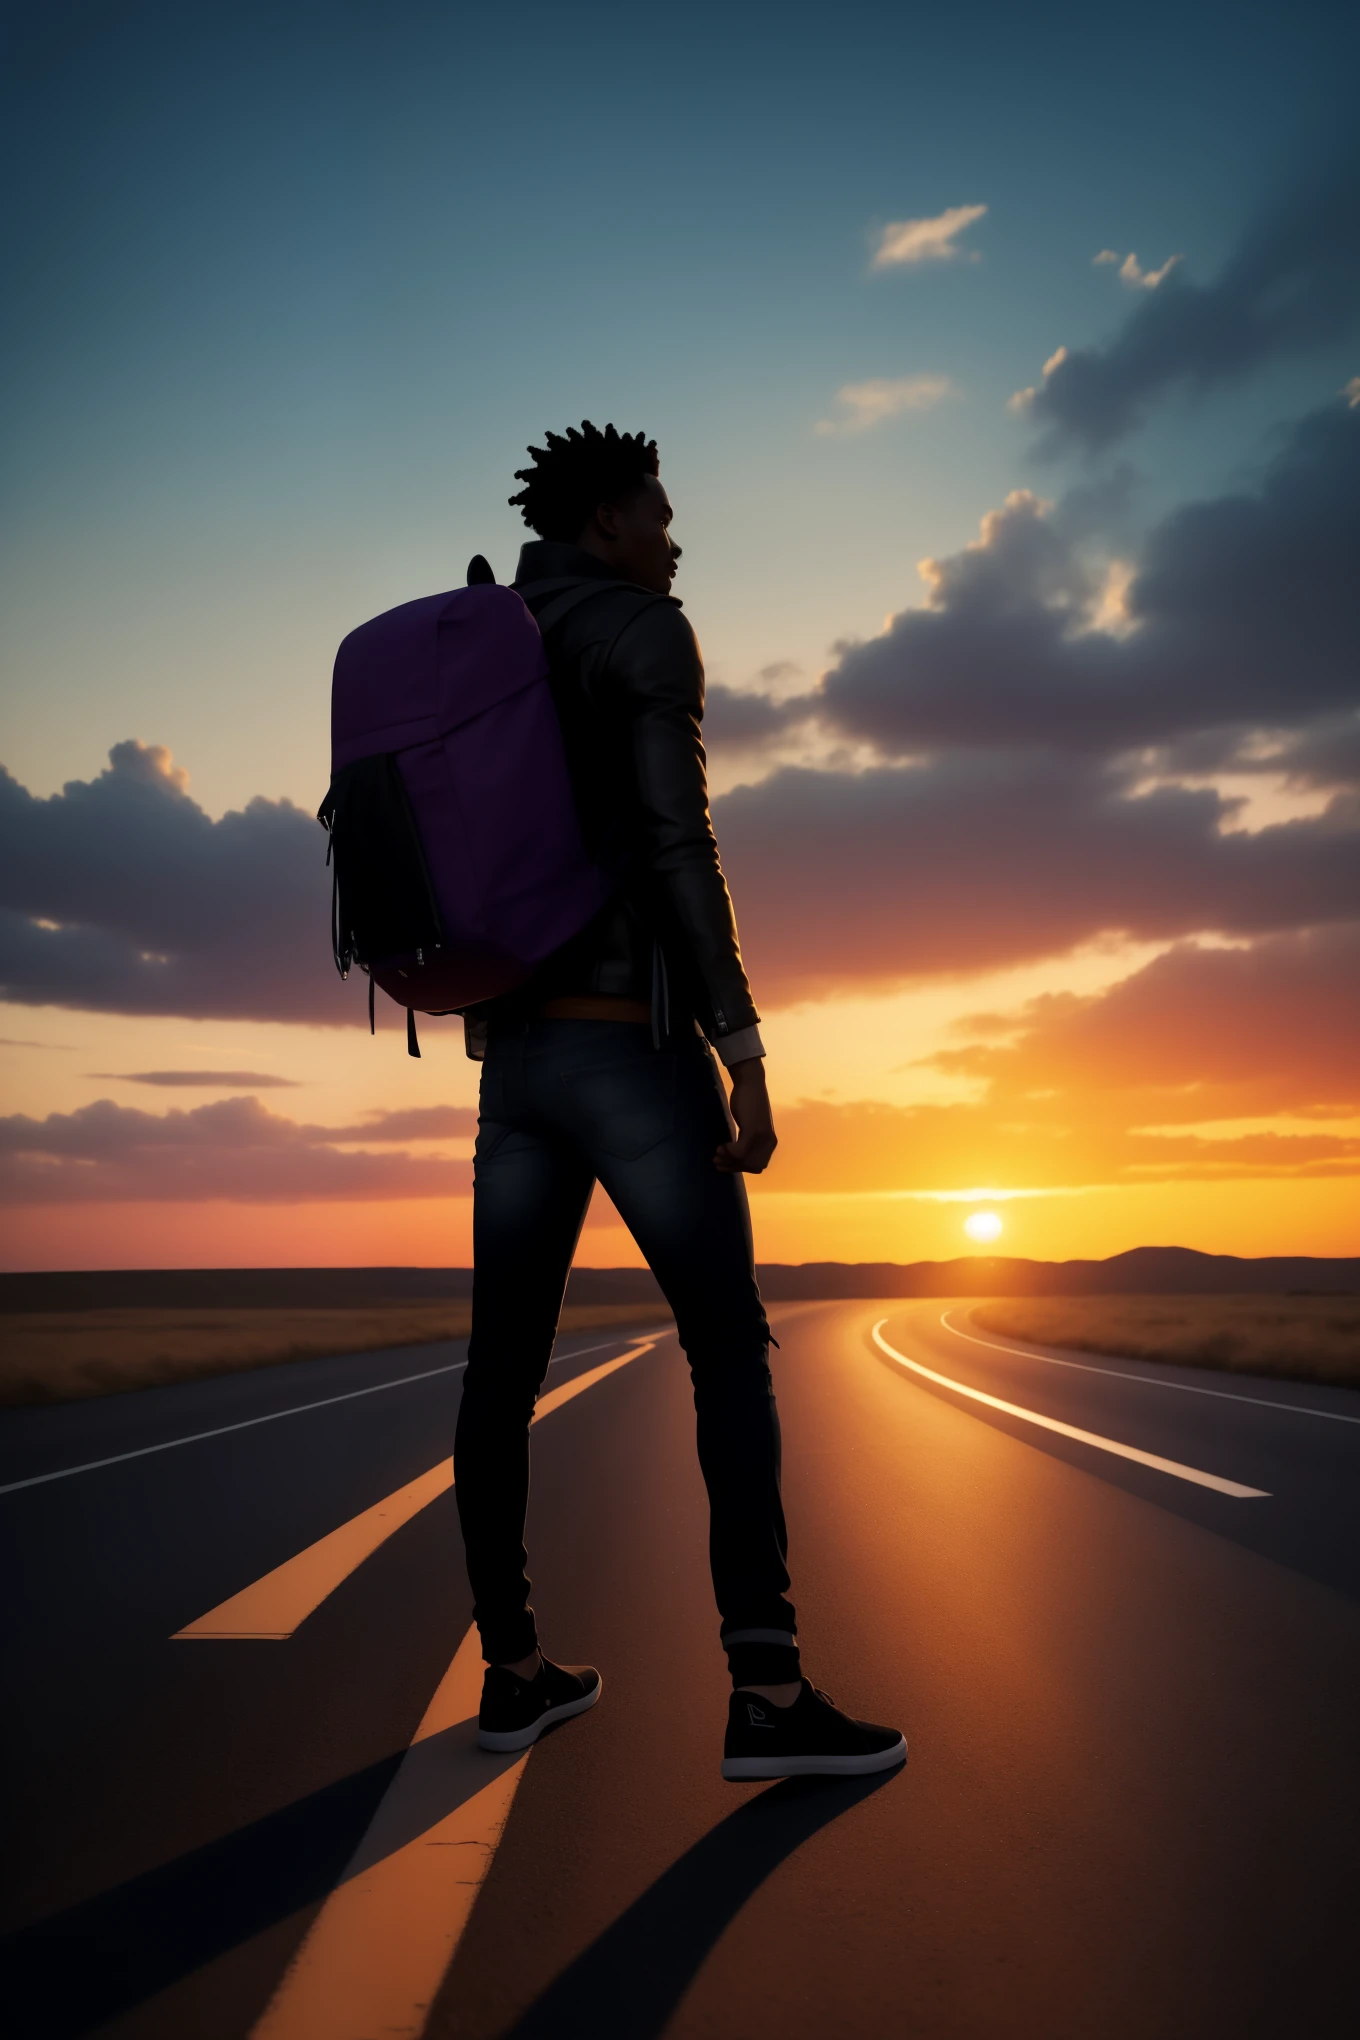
[{"x": 629, "y": 1980}]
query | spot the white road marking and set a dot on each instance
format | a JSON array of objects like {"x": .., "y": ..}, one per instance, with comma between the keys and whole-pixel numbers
[
  {"x": 271, "y": 1417},
  {"x": 375, "y": 1955},
  {"x": 272, "y": 1607},
  {"x": 1152, "y": 1459},
  {"x": 245, "y": 1424},
  {"x": 1257, "y": 1402}
]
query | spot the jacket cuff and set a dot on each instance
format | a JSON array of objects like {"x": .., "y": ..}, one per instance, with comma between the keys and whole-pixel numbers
[{"x": 740, "y": 1047}]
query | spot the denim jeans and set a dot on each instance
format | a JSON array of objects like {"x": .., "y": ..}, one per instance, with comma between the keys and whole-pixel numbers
[{"x": 564, "y": 1104}]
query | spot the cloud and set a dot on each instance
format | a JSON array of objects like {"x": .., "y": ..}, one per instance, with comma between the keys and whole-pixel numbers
[
  {"x": 199, "y": 1080},
  {"x": 1027, "y": 726},
  {"x": 234, "y": 1149},
  {"x": 867, "y": 404},
  {"x": 1199, "y": 1034},
  {"x": 995, "y": 778},
  {"x": 121, "y": 895},
  {"x": 1132, "y": 273},
  {"x": 933, "y": 240},
  {"x": 1242, "y": 613},
  {"x": 974, "y": 860},
  {"x": 1023, "y": 401},
  {"x": 1351, "y": 392},
  {"x": 1205, "y": 1063},
  {"x": 1291, "y": 287},
  {"x": 741, "y": 719}
]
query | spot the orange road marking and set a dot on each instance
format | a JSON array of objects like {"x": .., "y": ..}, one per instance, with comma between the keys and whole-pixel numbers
[
  {"x": 374, "y": 1957},
  {"x": 272, "y": 1607}
]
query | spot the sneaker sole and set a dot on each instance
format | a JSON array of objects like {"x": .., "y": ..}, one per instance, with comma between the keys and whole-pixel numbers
[
  {"x": 524, "y": 1738},
  {"x": 738, "y": 1769}
]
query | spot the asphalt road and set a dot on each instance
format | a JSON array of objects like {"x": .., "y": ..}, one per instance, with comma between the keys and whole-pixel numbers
[{"x": 1132, "y": 1800}]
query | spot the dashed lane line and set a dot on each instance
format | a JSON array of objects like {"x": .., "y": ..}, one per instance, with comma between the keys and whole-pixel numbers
[
  {"x": 272, "y": 1607},
  {"x": 375, "y": 1955},
  {"x": 1258, "y": 1402},
  {"x": 270, "y": 1417},
  {"x": 1172, "y": 1466}
]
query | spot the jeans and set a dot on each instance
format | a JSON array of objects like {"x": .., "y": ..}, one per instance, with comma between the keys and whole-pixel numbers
[{"x": 564, "y": 1104}]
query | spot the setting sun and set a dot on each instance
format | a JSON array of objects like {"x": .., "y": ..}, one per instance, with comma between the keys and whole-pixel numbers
[{"x": 982, "y": 1225}]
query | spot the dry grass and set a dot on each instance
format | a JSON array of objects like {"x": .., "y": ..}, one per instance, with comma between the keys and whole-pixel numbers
[
  {"x": 1307, "y": 1338},
  {"x": 61, "y": 1356}
]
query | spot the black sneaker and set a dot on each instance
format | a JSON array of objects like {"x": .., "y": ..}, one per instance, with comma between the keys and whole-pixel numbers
[
  {"x": 515, "y": 1711},
  {"x": 808, "y": 1739}
]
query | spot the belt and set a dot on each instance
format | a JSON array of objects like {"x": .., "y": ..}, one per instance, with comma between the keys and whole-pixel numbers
[{"x": 598, "y": 1007}]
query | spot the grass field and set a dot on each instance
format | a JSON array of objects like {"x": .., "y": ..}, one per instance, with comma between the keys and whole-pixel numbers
[
  {"x": 1307, "y": 1338},
  {"x": 55, "y": 1356}
]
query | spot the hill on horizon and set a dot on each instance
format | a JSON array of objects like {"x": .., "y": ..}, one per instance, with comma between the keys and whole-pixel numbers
[{"x": 1169, "y": 1271}]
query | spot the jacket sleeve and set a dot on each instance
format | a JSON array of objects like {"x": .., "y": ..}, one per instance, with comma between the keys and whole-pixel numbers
[{"x": 656, "y": 666}]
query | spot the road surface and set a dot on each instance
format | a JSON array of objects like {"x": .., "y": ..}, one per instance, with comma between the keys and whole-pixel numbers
[{"x": 1113, "y": 1605}]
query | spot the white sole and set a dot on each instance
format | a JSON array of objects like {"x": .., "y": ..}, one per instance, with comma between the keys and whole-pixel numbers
[
  {"x": 736, "y": 1769},
  {"x": 523, "y": 1738}
]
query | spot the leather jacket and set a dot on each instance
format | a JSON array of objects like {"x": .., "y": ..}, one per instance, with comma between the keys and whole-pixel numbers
[{"x": 629, "y": 685}]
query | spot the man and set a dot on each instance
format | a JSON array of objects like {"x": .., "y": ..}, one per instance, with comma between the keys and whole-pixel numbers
[{"x": 597, "y": 1071}]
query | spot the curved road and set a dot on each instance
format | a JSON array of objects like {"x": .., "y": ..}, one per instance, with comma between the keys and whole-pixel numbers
[{"x": 1113, "y": 1605}]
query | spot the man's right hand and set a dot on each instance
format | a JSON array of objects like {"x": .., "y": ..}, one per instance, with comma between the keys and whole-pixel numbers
[{"x": 756, "y": 1138}]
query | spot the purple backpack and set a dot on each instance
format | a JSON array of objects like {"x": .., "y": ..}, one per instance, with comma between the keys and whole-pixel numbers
[{"x": 458, "y": 858}]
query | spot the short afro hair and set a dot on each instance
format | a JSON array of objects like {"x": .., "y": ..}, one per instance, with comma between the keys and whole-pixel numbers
[{"x": 571, "y": 475}]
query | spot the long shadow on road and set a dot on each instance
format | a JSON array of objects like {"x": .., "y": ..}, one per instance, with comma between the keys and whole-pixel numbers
[
  {"x": 65, "y": 1976},
  {"x": 628, "y": 1982}
]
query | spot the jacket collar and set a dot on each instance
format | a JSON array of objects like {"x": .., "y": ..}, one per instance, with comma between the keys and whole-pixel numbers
[{"x": 549, "y": 559}]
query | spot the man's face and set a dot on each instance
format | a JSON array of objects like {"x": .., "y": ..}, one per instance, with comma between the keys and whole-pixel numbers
[{"x": 638, "y": 539}]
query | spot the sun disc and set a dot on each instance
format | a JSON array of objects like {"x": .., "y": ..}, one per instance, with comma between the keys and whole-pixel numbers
[{"x": 982, "y": 1225}]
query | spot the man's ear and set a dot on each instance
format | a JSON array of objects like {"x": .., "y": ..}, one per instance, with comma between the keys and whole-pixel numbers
[{"x": 607, "y": 518}]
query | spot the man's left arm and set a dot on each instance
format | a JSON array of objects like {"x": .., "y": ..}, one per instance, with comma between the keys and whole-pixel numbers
[{"x": 657, "y": 665}]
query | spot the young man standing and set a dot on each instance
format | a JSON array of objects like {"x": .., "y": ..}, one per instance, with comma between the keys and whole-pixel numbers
[{"x": 602, "y": 1069}]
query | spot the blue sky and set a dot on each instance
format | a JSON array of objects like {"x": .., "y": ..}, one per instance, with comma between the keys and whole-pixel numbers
[
  {"x": 1049, "y": 887},
  {"x": 294, "y": 285}
]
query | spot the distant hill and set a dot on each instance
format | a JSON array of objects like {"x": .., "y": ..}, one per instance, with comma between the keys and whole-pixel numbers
[
  {"x": 1165, "y": 1271},
  {"x": 1169, "y": 1271}
]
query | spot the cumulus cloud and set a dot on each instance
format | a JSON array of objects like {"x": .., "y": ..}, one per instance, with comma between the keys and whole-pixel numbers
[
  {"x": 121, "y": 895},
  {"x": 1023, "y": 401},
  {"x": 1132, "y": 272},
  {"x": 933, "y": 240},
  {"x": 1293, "y": 285},
  {"x": 866, "y": 404},
  {"x": 1243, "y": 612},
  {"x": 976, "y": 859},
  {"x": 1030, "y": 721},
  {"x": 996, "y": 778},
  {"x": 742, "y": 719},
  {"x": 234, "y": 1149}
]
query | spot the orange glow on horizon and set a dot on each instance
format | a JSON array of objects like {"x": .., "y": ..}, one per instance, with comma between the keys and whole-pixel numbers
[{"x": 1300, "y": 1215}]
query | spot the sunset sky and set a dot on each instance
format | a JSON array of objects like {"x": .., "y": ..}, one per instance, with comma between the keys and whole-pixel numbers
[{"x": 1005, "y": 366}]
